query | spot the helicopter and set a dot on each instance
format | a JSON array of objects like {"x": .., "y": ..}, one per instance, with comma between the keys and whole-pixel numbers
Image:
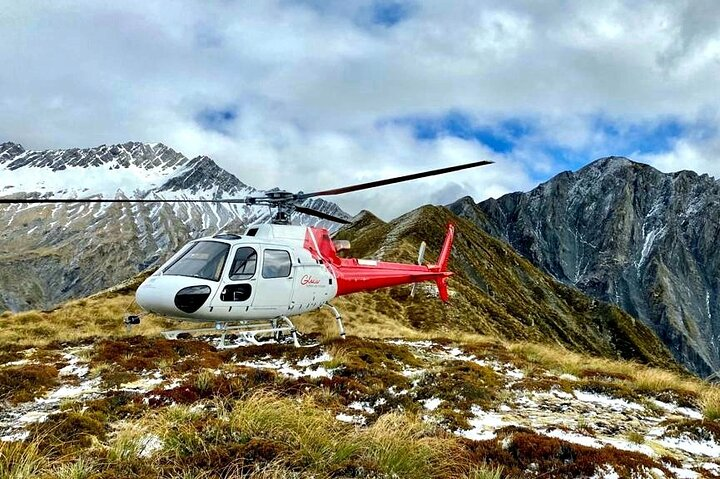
[{"x": 251, "y": 284}]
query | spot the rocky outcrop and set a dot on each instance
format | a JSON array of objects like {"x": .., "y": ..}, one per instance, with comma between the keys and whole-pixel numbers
[{"x": 627, "y": 233}]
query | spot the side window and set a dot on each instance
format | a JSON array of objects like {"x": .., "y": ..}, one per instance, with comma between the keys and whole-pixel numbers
[
  {"x": 276, "y": 264},
  {"x": 244, "y": 264}
]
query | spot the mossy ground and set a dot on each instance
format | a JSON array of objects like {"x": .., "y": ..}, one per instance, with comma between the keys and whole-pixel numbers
[{"x": 410, "y": 404}]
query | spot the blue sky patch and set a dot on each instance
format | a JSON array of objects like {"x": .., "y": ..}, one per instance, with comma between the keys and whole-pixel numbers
[
  {"x": 500, "y": 137},
  {"x": 644, "y": 137},
  {"x": 389, "y": 13},
  {"x": 219, "y": 120}
]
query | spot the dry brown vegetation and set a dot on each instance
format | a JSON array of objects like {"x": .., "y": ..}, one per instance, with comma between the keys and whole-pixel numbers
[{"x": 263, "y": 433}]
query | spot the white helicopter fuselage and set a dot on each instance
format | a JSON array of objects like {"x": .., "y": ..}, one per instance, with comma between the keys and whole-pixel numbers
[{"x": 264, "y": 274}]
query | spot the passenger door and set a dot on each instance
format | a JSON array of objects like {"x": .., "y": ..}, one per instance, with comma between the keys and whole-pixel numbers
[
  {"x": 238, "y": 284},
  {"x": 275, "y": 283}
]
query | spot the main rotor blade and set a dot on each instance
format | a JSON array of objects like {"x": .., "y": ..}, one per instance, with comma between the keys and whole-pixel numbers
[
  {"x": 390, "y": 181},
  {"x": 13, "y": 201},
  {"x": 320, "y": 214}
]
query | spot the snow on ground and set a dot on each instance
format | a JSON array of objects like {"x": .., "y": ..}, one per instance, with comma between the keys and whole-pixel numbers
[
  {"x": 705, "y": 448},
  {"x": 432, "y": 403},
  {"x": 304, "y": 368},
  {"x": 353, "y": 419},
  {"x": 149, "y": 445},
  {"x": 608, "y": 402},
  {"x": 574, "y": 415},
  {"x": 673, "y": 409},
  {"x": 484, "y": 424}
]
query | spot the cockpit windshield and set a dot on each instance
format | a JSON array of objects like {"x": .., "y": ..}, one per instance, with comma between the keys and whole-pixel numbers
[{"x": 204, "y": 259}]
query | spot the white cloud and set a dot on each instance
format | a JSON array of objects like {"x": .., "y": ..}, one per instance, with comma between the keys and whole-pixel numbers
[{"x": 314, "y": 85}]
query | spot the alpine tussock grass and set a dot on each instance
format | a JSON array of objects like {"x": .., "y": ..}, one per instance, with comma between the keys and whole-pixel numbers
[
  {"x": 263, "y": 435},
  {"x": 710, "y": 403}
]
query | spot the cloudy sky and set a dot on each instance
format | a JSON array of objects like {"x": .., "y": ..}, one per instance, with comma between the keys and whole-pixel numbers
[{"x": 316, "y": 94}]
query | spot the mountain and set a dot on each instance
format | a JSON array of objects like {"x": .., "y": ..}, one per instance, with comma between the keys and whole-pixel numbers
[
  {"x": 53, "y": 252},
  {"x": 494, "y": 291},
  {"x": 627, "y": 233}
]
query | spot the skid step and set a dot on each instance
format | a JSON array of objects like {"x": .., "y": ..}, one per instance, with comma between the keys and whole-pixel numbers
[{"x": 251, "y": 332}]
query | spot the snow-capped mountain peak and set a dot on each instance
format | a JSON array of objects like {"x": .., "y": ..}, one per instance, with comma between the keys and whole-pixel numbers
[{"x": 122, "y": 238}]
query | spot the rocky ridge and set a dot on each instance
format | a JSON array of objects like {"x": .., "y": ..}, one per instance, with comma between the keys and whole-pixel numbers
[{"x": 627, "y": 233}]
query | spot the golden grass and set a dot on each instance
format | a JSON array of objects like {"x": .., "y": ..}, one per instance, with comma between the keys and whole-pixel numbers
[
  {"x": 710, "y": 403},
  {"x": 486, "y": 472},
  {"x": 653, "y": 380},
  {"x": 21, "y": 461},
  {"x": 100, "y": 316},
  {"x": 636, "y": 437},
  {"x": 82, "y": 468},
  {"x": 308, "y": 439}
]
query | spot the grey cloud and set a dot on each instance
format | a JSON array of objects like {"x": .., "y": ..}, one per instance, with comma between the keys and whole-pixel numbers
[{"x": 315, "y": 86}]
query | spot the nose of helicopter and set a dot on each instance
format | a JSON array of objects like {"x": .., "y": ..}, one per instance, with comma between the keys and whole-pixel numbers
[{"x": 177, "y": 296}]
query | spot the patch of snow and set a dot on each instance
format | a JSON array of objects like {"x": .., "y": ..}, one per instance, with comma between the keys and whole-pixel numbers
[
  {"x": 320, "y": 372},
  {"x": 684, "y": 473},
  {"x": 67, "y": 392},
  {"x": 319, "y": 359},
  {"x": 76, "y": 366},
  {"x": 458, "y": 354},
  {"x": 74, "y": 370},
  {"x": 361, "y": 406},
  {"x": 672, "y": 408},
  {"x": 142, "y": 384},
  {"x": 705, "y": 448},
  {"x": 573, "y": 437},
  {"x": 484, "y": 425},
  {"x": 19, "y": 362},
  {"x": 415, "y": 344},
  {"x": 350, "y": 419},
  {"x": 606, "y": 471},
  {"x": 284, "y": 368},
  {"x": 648, "y": 244},
  {"x": 611, "y": 403},
  {"x": 412, "y": 373},
  {"x": 515, "y": 373},
  {"x": 630, "y": 446},
  {"x": 32, "y": 417},
  {"x": 568, "y": 377},
  {"x": 392, "y": 390},
  {"x": 559, "y": 393},
  {"x": 432, "y": 403},
  {"x": 149, "y": 445},
  {"x": 19, "y": 436},
  {"x": 711, "y": 466}
]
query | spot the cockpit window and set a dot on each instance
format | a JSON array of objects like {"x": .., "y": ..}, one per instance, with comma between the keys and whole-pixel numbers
[
  {"x": 276, "y": 264},
  {"x": 204, "y": 259},
  {"x": 244, "y": 264}
]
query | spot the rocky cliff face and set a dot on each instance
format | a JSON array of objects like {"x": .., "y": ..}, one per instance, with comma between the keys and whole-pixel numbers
[
  {"x": 626, "y": 233},
  {"x": 49, "y": 253}
]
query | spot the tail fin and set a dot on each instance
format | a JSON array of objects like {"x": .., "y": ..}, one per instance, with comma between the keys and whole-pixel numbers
[{"x": 443, "y": 262}]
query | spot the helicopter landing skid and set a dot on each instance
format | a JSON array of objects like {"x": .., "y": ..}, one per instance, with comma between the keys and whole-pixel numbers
[
  {"x": 338, "y": 318},
  {"x": 246, "y": 332}
]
